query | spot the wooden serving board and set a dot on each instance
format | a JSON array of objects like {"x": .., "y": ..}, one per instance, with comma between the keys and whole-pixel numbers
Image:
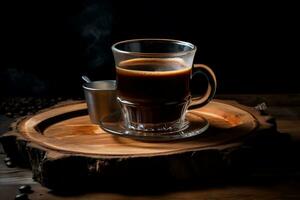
[{"x": 64, "y": 148}]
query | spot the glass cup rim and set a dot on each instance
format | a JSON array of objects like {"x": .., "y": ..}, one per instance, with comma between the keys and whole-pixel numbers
[{"x": 164, "y": 54}]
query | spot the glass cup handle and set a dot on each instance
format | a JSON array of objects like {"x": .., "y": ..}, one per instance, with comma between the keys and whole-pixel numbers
[{"x": 211, "y": 89}]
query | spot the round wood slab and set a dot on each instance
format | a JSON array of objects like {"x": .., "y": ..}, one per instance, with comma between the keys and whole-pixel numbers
[
  {"x": 62, "y": 137},
  {"x": 66, "y": 130}
]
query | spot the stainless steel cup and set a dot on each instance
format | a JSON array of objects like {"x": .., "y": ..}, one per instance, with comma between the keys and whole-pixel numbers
[{"x": 101, "y": 99}]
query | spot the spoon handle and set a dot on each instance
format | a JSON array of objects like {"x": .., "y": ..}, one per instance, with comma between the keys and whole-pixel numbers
[{"x": 86, "y": 79}]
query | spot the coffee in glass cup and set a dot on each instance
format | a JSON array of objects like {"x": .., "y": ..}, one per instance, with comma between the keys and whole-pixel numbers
[{"x": 153, "y": 83}]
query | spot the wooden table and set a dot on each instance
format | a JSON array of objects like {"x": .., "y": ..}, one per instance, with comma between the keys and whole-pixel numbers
[{"x": 278, "y": 182}]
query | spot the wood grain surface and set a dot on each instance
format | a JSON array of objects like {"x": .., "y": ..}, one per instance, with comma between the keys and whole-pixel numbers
[
  {"x": 62, "y": 138},
  {"x": 279, "y": 180},
  {"x": 72, "y": 132}
]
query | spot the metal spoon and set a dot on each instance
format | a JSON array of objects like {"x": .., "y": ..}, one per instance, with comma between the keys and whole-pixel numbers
[{"x": 86, "y": 79}]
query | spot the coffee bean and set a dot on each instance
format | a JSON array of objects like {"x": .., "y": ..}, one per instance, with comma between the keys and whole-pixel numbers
[
  {"x": 9, "y": 114},
  {"x": 6, "y": 108},
  {"x": 21, "y": 196},
  {"x": 7, "y": 159},
  {"x": 25, "y": 189},
  {"x": 9, "y": 164}
]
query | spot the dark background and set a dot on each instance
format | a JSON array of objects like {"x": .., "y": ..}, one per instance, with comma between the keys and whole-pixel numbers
[{"x": 47, "y": 45}]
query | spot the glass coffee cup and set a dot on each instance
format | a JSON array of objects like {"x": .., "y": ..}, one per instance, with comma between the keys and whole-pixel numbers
[{"x": 153, "y": 83}]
